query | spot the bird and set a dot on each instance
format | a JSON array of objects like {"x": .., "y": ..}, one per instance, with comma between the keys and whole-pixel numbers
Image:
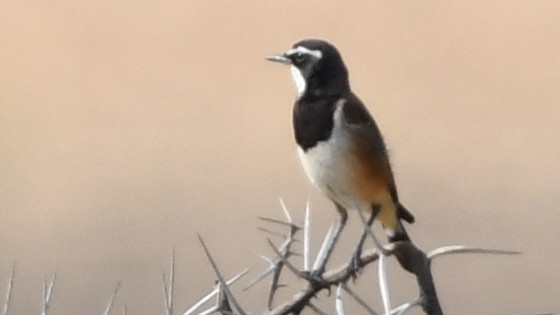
[{"x": 339, "y": 143}]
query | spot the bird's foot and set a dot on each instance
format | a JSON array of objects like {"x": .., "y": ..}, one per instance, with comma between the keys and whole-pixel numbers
[{"x": 355, "y": 265}]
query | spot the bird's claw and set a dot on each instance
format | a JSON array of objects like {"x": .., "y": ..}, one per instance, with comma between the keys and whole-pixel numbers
[{"x": 355, "y": 266}]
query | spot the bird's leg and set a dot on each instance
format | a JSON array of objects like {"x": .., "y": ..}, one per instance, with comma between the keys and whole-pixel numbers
[
  {"x": 337, "y": 231},
  {"x": 357, "y": 255}
]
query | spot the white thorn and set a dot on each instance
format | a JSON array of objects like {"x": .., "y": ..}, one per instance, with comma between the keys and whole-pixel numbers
[
  {"x": 286, "y": 212},
  {"x": 383, "y": 285},
  {"x": 322, "y": 251},
  {"x": 306, "y": 236},
  {"x": 339, "y": 303}
]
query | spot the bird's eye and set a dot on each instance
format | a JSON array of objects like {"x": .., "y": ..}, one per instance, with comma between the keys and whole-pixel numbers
[{"x": 299, "y": 57}]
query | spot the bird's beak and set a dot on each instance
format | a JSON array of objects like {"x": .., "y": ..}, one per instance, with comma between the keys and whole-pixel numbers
[{"x": 280, "y": 58}]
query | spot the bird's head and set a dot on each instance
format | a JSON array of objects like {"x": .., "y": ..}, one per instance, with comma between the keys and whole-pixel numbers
[{"x": 317, "y": 68}]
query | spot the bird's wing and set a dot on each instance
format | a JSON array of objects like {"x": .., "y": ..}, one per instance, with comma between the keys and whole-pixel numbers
[{"x": 362, "y": 123}]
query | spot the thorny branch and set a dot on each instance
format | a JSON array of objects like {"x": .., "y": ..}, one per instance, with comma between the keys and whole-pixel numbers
[{"x": 410, "y": 257}]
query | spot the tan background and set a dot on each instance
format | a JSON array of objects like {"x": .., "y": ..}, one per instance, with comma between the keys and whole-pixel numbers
[{"x": 128, "y": 126}]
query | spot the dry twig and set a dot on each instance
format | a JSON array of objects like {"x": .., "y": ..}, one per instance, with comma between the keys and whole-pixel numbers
[
  {"x": 9, "y": 290},
  {"x": 47, "y": 294}
]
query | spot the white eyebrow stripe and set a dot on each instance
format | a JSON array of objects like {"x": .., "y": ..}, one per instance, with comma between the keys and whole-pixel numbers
[{"x": 316, "y": 53}]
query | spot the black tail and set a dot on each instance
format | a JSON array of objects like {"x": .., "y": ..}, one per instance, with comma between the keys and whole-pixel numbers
[{"x": 404, "y": 214}]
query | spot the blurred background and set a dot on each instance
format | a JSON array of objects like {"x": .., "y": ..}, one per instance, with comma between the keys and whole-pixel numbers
[{"x": 126, "y": 127}]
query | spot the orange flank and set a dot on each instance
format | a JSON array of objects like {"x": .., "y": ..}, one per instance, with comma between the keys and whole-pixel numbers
[{"x": 371, "y": 179}]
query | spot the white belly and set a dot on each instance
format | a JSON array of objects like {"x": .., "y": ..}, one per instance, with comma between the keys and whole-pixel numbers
[{"x": 329, "y": 168}]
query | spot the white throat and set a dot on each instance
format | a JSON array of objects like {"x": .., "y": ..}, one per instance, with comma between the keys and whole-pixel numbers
[{"x": 299, "y": 80}]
